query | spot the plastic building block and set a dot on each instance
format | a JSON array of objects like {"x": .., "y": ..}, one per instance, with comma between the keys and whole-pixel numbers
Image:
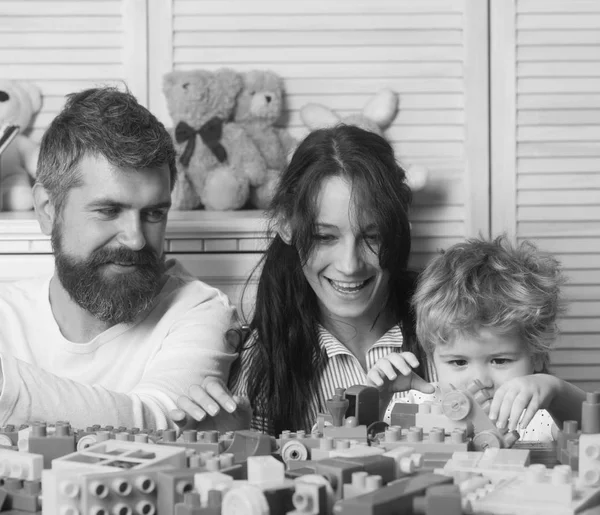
[
  {"x": 112, "y": 455},
  {"x": 313, "y": 496},
  {"x": 590, "y": 413},
  {"x": 538, "y": 490},
  {"x": 404, "y": 414},
  {"x": 126, "y": 491},
  {"x": 205, "y": 482},
  {"x": 439, "y": 500},
  {"x": 20, "y": 465},
  {"x": 265, "y": 468},
  {"x": 51, "y": 446},
  {"x": 9, "y": 436},
  {"x": 397, "y": 497},
  {"x": 348, "y": 432},
  {"x": 22, "y": 495},
  {"x": 363, "y": 404},
  {"x": 198, "y": 441},
  {"x": 361, "y": 483},
  {"x": 337, "y": 406},
  {"x": 589, "y": 459},
  {"x": 466, "y": 406},
  {"x": 250, "y": 498},
  {"x": 250, "y": 443},
  {"x": 337, "y": 472},
  {"x": 431, "y": 415}
]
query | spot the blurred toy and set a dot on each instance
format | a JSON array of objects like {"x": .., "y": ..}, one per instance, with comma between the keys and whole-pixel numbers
[
  {"x": 217, "y": 162},
  {"x": 376, "y": 116},
  {"x": 19, "y": 103},
  {"x": 257, "y": 110}
]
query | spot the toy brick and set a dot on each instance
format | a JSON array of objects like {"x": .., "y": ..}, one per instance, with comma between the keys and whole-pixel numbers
[
  {"x": 382, "y": 466},
  {"x": 404, "y": 414},
  {"x": 204, "y": 482},
  {"x": 337, "y": 472},
  {"x": 363, "y": 404},
  {"x": 361, "y": 483},
  {"x": 358, "y": 433},
  {"x": 3, "y": 497},
  {"x": 337, "y": 406},
  {"x": 431, "y": 415},
  {"x": 118, "y": 492},
  {"x": 396, "y": 497},
  {"x": 264, "y": 468},
  {"x": 24, "y": 496},
  {"x": 439, "y": 500},
  {"x": 590, "y": 413},
  {"x": 299, "y": 472},
  {"x": 114, "y": 454},
  {"x": 279, "y": 497},
  {"x": 250, "y": 443},
  {"x": 52, "y": 446},
  {"x": 20, "y": 465},
  {"x": 191, "y": 506},
  {"x": 589, "y": 459},
  {"x": 310, "y": 498},
  {"x": 9, "y": 436}
]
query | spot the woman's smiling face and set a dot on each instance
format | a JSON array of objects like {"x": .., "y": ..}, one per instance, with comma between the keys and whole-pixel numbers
[{"x": 343, "y": 267}]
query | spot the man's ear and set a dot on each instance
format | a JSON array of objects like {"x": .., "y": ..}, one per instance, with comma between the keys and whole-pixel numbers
[
  {"x": 44, "y": 208},
  {"x": 284, "y": 230}
]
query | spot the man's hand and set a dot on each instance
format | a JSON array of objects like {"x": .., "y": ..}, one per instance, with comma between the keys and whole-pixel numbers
[{"x": 211, "y": 406}]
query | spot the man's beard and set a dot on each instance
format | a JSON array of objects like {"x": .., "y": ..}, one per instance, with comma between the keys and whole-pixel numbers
[{"x": 118, "y": 298}]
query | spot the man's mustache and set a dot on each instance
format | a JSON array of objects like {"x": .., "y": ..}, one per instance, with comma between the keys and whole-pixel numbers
[{"x": 144, "y": 257}]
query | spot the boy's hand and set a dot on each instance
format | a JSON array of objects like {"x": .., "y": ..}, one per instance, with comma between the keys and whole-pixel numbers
[
  {"x": 212, "y": 398},
  {"x": 522, "y": 396},
  {"x": 393, "y": 373}
]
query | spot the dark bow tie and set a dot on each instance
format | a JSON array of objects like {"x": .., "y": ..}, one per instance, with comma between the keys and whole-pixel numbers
[{"x": 210, "y": 133}]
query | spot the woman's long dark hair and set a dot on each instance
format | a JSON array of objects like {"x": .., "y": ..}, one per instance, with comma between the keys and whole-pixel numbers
[{"x": 287, "y": 361}]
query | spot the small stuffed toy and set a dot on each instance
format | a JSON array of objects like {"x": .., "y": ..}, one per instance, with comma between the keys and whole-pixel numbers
[
  {"x": 20, "y": 101},
  {"x": 216, "y": 161},
  {"x": 377, "y": 114},
  {"x": 258, "y": 108}
]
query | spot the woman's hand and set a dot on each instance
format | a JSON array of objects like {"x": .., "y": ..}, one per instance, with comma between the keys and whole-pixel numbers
[{"x": 393, "y": 373}]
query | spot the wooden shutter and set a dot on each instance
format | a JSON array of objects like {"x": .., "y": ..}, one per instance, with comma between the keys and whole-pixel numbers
[
  {"x": 545, "y": 91},
  {"x": 433, "y": 53},
  {"x": 69, "y": 45}
]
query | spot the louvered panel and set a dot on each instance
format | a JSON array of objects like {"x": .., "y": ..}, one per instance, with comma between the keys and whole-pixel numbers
[
  {"x": 339, "y": 54},
  {"x": 66, "y": 46},
  {"x": 549, "y": 131}
]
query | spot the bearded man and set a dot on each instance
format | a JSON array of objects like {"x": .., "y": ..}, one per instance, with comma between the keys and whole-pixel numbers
[{"x": 117, "y": 333}]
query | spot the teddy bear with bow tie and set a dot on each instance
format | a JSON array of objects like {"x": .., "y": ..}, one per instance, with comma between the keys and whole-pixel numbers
[{"x": 217, "y": 162}]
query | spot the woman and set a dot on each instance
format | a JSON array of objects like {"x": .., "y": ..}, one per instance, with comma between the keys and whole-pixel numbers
[{"x": 334, "y": 289}]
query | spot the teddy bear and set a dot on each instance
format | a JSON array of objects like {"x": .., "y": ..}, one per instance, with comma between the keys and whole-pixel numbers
[
  {"x": 377, "y": 114},
  {"x": 20, "y": 101},
  {"x": 258, "y": 108},
  {"x": 216, "y": 160}
]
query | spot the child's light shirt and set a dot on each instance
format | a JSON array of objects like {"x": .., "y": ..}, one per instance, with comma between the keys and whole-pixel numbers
[{"x": 540, "y": 429}]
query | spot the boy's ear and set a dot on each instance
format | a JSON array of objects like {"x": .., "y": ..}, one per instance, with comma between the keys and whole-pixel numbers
[
  {"x": 44, "y": 208},
  {"x": 284, "y": 230}
]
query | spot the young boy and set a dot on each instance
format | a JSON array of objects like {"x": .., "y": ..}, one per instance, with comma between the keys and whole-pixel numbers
[{"x": 487, "y": 310}]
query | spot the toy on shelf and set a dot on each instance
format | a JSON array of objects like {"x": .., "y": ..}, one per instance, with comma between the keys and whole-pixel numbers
[
  {"x": 108, "y": 470},
  {"x": 376, "y": 116},
  {"x": 217, "y": 162},
  {"x": 258, "y": 108},
  {"x": 20, "y": 101}
]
